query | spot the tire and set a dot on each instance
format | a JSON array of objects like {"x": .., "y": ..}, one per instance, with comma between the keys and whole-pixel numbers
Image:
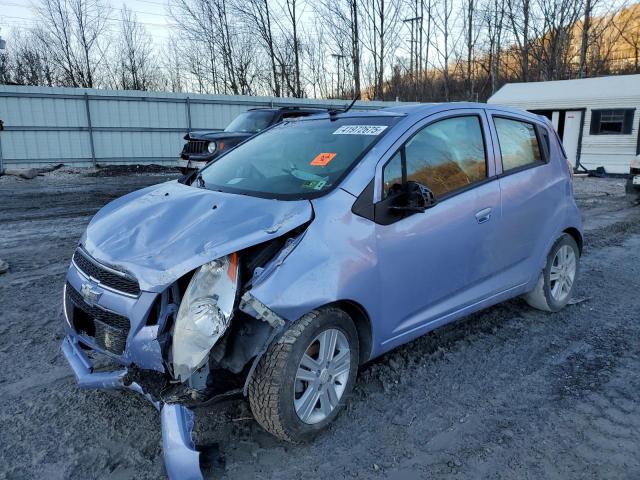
[
  {"x": 546, "y": 295},
  {"x": 275, "y": 386},
  {"x": 632, "y": 191}
]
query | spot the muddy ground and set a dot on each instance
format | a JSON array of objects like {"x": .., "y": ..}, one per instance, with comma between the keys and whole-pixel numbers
[{"x": 507, "y": 393}]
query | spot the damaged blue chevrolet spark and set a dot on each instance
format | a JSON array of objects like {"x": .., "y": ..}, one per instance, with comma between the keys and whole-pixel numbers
[{"x": 312, "y": 248}]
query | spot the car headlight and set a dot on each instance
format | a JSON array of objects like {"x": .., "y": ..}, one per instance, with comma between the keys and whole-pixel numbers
[
  {"x": 211, "y": 147},
  {"x": 204, "y": 314}
]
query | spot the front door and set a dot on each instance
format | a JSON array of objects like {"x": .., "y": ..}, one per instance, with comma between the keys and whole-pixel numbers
[
  {"x": 571, "y": 135},
  {"x": 435, "y": 263}
]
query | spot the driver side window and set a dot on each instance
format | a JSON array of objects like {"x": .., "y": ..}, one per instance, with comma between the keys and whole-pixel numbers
[{"x": 445, "y": 156}]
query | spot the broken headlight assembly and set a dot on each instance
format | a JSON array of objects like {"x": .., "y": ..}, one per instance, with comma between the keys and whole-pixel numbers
[{"x": 204, "y": 314}]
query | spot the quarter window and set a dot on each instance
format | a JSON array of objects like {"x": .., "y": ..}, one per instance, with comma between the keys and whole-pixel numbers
[
  {"x": 392, "y": 174},
  {"x": 445, "y": 156},
  {"x": 518, "y": 143},
  {"x": 617, "y": 121}
]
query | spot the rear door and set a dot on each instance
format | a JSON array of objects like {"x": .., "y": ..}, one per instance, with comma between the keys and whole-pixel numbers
[
  {"x": 531, "y": 193},
  {"x": 435, "y": 263}
]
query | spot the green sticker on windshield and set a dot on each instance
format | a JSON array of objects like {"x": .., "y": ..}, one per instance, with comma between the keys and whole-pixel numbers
[{"x": 315, "y": 184}]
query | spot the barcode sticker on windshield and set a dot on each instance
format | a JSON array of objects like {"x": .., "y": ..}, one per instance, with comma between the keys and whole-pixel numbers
[{"x": 360, "y": 130}]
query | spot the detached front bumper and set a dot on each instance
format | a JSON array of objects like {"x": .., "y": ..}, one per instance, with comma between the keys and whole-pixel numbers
[
  {"x": 195, "y": 164},
  {"x": 181, "y": 459}
]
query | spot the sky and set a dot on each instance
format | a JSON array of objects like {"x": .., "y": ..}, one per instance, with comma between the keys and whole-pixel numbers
[{"x": 151, "y": 13}]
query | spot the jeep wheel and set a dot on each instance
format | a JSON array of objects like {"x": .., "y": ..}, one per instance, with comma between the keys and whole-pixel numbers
[{"x": 304, "y": 379}]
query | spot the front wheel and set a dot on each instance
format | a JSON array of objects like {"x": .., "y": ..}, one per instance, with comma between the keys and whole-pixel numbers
[
  {"x": 303, "y": 380},
  {"x": 557, "y": 280}
]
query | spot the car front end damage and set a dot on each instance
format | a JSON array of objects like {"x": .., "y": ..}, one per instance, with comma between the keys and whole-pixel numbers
[{"x": 185, "y": 344}]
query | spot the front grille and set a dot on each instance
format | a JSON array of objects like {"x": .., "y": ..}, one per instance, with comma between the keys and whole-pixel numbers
[
  {"x": 195, "y": 146},
  {"x": 108, "y": 329},
  {"x": 92, "y": 268}
]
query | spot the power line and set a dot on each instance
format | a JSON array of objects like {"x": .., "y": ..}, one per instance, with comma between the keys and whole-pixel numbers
[{"x": 11, "y": 4}]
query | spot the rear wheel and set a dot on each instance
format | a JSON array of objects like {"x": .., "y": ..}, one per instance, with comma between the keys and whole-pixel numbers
[
  {"x": 304, "y": 379},
  {"x": 557, "y": 280}
]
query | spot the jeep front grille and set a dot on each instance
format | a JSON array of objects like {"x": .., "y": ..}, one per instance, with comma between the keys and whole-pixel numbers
[
  {"x": 109, "y": 330},
  {"x": 108, "y": 277},
  {"x": 195, "y": 147}
]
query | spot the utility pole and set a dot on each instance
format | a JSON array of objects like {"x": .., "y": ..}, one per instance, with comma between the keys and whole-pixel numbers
[
  {"x": 338, "y": 57},
  {"x": 584, "y": 46},
  {"x": 415, "y": 24}
]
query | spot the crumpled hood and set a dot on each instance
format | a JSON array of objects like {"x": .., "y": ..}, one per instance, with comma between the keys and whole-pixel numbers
[{"x": 161, "y": 232}]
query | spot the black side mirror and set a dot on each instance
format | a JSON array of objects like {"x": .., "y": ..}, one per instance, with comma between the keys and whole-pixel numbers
[
  {"x": 189, "y": 177},
  {"x": 413, "y": 197}
]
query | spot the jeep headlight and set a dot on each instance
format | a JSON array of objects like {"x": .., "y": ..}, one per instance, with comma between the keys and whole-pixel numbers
[
  {"x": 211, "y": 148},
  {"x": 204, "y": 314}
]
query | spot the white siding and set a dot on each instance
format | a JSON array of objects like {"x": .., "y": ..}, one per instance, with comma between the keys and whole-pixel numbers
[{"x": 613, "y": 152}]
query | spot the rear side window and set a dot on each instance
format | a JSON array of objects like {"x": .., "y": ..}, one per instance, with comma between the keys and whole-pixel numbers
[{"x": 519, "y": 145}]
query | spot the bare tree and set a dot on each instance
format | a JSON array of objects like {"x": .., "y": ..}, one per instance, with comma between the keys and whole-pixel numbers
[
  {"x": 380, "y": 38},
  {"x": 342, "y": 20},
  {"x": 136, "y": 60},
  {"x": 293, "y": 17},
  {"x": 73, "y": 33},
  {"x": 494, "y": 20},
  {"x": 173, "y": 67},
  {"x": 205, "y": 27},
  {"x": 257, "y": 14},
  {"x": 584, "y": 45},
  {"x": 627, "y": 26},
  {"x": 519, "y": 15},
  {"x": 445, "y": 45}
]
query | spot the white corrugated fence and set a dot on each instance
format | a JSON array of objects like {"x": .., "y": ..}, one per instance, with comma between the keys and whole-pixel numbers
[{"x": 85, "y": 127}]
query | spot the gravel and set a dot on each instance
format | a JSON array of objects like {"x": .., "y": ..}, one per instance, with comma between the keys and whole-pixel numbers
[{"x": 506, "y": 393}]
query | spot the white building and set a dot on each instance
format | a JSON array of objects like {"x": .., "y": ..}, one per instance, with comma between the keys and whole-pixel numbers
[{"x": 598, "y": 119}]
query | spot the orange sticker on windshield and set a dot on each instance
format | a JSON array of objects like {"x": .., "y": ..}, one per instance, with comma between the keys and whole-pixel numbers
[{"x": 322, "y": 159}]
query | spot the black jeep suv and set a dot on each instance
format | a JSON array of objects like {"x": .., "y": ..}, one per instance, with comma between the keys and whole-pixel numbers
[{"x": 202, "y": 147}]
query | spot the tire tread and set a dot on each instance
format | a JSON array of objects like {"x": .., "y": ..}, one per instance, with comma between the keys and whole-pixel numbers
[{"x": 266, "y": 383}]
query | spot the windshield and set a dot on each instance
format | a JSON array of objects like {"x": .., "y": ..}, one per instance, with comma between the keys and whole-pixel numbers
[
  {"x": 299, "y": 159},
  {"x": 251, "y": 122}
]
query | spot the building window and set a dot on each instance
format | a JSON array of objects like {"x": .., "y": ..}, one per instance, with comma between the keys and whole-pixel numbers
[{"x": 617, "y": 121}]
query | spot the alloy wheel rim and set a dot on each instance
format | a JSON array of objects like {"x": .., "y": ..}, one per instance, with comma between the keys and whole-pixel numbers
[
  {"x": 322, "y": 376},
  {"x": 562, "y": 273}
]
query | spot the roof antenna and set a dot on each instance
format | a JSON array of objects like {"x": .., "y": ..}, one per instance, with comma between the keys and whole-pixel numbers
[{"x": 334, "y": 111}]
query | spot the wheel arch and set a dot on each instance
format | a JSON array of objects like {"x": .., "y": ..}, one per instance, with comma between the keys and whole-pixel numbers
[
  {"x": 576, "y": 235},
  {"x": 362, "y": 323}
]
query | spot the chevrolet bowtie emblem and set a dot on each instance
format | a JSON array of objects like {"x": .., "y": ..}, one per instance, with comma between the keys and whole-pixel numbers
[{"x": 90, "y": 294}]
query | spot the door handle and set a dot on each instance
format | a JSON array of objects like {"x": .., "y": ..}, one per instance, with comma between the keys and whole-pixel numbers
[{"x": 483, "y": 215}]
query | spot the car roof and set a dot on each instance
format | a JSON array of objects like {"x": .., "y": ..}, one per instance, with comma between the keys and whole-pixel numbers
[
  {"x": 288, "y": 109},
  {"x": 409, "y": 110},
  {"x": 421, "y": 110}
]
